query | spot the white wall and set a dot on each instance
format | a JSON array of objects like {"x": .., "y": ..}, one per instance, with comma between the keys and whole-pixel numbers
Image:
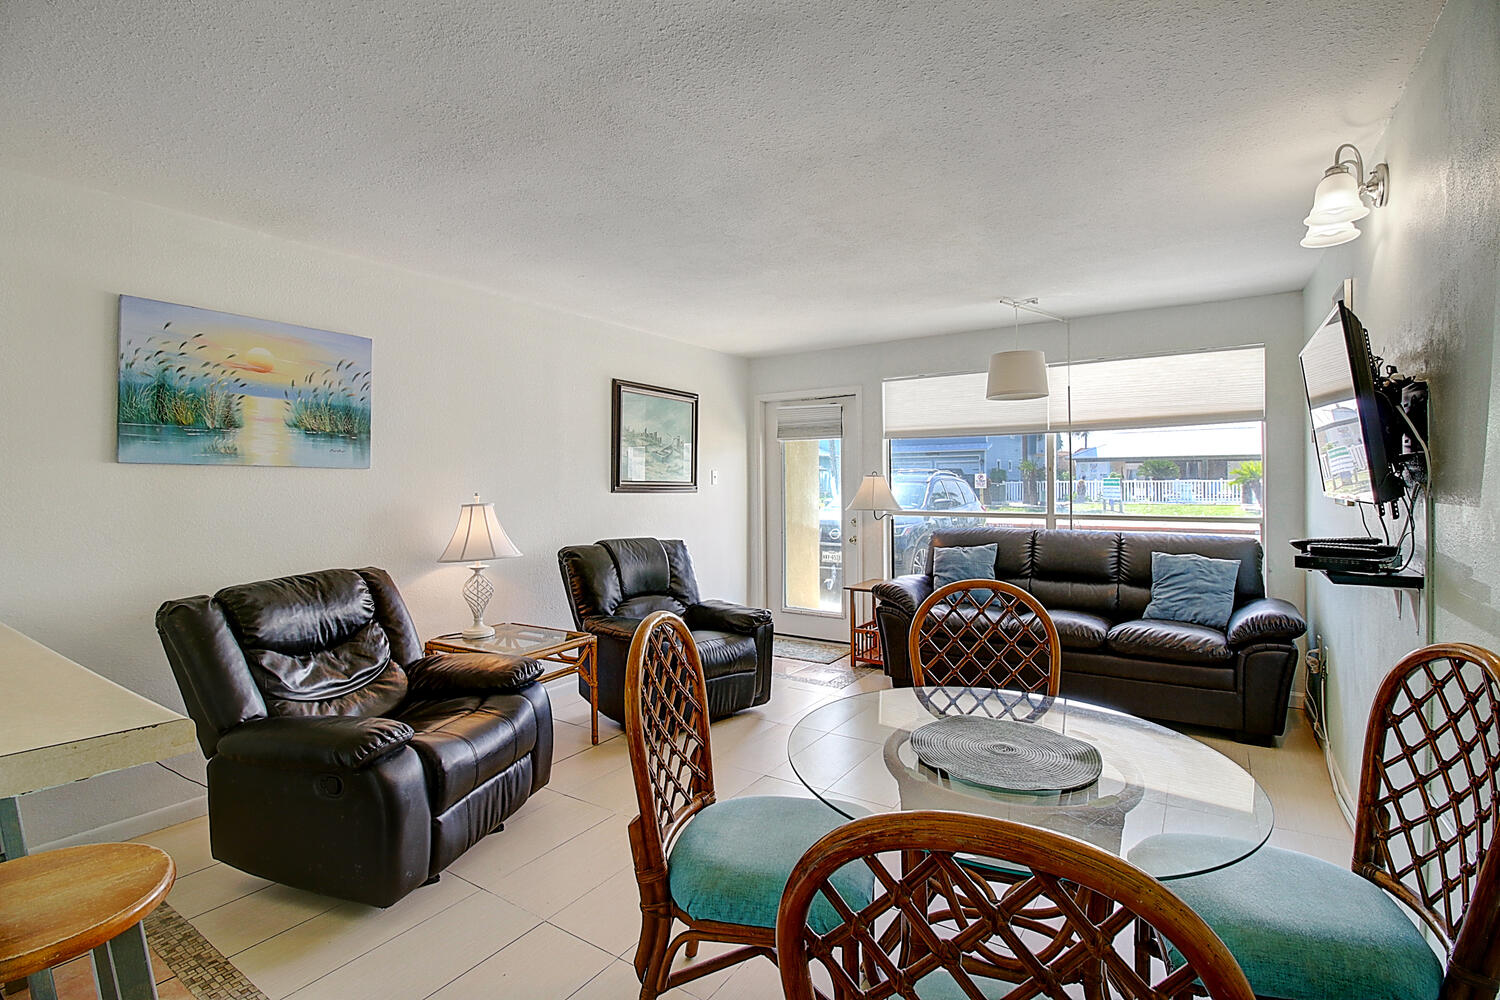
[
  {"x": 472, "y": 392},
  {"x": 1272, "y": 320},
  {"x": 1426, "y": 275}
]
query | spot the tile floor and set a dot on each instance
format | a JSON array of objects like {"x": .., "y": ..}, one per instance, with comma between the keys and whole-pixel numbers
[{"x": 548, "y": 907}]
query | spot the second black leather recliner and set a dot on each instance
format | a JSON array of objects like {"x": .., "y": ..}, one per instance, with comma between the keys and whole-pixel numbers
[{"x": 616, "y": 582}]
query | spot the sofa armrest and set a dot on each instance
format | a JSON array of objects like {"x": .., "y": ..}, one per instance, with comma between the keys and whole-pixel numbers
[
  {"x": 904, "y": 592},
  {"x": 612, "y": 627},
  {"x": 314, "y": 743},
  {"x": 1268, "y": 619},
  {"x": 724, "y": 616},
  {"x": 459, "y": 673}
]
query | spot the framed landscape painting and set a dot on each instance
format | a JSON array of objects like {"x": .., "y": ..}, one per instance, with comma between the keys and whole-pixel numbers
[
  {"x": 655, "y": 439},
  {"x": 199, "y": 387}
]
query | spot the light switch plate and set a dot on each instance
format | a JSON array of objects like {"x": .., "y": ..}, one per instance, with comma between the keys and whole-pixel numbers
[{"x": 713, "y": 477}]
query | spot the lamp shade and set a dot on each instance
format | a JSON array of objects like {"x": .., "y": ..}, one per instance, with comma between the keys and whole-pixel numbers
[
  {"x": 874, "y": 493},
  {"x": 1330, "y": 235},
  {"x": 1336, "y": 200},
  {"x": 1017, "y": 375},
  {"x": 478, "y": 536}
]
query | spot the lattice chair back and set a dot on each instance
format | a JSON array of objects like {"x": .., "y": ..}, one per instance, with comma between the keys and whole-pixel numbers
[
  {"x": 985, "y": 633},
  {"x": 1426, "y": 829},
  {"x": 1068, "y": 929},
  {"x": 666, "y": 734}
]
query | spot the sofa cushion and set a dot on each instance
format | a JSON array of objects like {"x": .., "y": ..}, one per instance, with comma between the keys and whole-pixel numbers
[
  {"x": 1077, "y": 570},
  {"x": 1079, "y": 629},
  {"x": 1136, "y": 548},
  {"x": 952, "y": 563},
  {"x": 1187, "y": 587},
  {"x": 724, "y": 652},
  {"x": 465, "y": 741},
  {"x": 1179, "y": 642},
  {"x": 1013, "y": 549},
  {"x": 733, "y": 859}
]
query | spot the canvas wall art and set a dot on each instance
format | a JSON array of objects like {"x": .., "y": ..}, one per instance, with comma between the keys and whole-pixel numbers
[
  {"x": 655, "y": 439},
  {"x": 199, "y": 387}
]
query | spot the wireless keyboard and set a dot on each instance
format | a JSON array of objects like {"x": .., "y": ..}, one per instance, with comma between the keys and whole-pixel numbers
[
  {"x": 1303, "y": 543},
  {"x": 1333, "y": 551}
]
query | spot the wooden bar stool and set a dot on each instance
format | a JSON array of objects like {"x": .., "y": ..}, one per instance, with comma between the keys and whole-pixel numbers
[{"x": 58, "y": 905}]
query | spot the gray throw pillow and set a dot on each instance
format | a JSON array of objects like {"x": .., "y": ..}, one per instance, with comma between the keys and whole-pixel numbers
[
  {"x": 951, "y": 564},
  {"x": 1192, "y": 588}
]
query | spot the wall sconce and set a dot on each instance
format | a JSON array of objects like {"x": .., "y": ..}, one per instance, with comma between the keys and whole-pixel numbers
[{"x": 1343, "y": 197}]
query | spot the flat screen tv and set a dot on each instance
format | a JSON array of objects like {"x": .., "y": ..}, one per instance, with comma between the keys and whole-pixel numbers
[{"x": 1347, "y": 416}]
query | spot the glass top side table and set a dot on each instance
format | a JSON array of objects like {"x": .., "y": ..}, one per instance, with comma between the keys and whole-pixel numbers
[{"x": 576, "y": 651}]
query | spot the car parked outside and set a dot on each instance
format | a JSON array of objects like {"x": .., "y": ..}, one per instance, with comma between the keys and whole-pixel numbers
[{"x": 920, "y": 489}]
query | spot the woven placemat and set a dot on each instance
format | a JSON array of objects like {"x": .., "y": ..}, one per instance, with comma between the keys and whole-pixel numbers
[{"x": 1008, "y": 756}]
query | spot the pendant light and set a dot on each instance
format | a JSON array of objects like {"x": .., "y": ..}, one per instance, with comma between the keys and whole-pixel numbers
[{"x": 1017, "y": 374}]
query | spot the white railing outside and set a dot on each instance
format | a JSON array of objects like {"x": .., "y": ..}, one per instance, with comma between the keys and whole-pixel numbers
[{"x": 1164, "y": 491}]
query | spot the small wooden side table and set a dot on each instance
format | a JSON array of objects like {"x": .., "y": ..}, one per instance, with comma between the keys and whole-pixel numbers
[
  {"x": 576, "y": 651},
  {"x": 864, "y": 634}
]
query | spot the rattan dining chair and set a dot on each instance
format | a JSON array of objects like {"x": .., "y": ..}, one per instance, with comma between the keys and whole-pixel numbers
[
  {"x": 985, "y": 633},
  {"x": 716, "y": 867},
  {"x": 937, "y": 930},
  {"x": 1425, "y": 834}
]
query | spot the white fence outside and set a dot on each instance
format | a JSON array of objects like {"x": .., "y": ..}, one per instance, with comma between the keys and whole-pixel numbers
[{"x": 1174, "y": 491}]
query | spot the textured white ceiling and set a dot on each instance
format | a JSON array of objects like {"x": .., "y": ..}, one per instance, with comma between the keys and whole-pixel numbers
[{"x": 751, "y": 175}]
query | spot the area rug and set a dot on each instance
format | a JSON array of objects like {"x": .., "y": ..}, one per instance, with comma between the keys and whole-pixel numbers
[
  {"x": 834, "y": 675},
  {"x": 815, "y": 650},
  {"x": 196, "y": 964}
]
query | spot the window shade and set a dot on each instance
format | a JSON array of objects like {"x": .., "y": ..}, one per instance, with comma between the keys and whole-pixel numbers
[
  {"x": 1165, "y": 391},
  {"x": 1212, "y": 387},
  {"x": 809, "y": 421},
  {"x": 950, "y": 405}
]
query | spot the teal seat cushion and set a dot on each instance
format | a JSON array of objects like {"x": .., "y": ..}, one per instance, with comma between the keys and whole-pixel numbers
[
  {"x": 1303, "y": 929},
  {"x": 733, "y": 860},
  {"x": 940, "y": 985}
]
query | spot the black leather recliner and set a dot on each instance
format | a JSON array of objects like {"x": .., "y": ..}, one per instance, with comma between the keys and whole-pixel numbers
[
  {"x": 616, "y": 582},
  {"x": 340, "y": 759}
]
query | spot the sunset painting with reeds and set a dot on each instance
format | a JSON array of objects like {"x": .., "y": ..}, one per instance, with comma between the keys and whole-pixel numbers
[{"x": 199, "y": 387}]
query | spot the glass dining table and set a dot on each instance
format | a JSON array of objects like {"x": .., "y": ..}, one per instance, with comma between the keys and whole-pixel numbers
[{"x": 856, "y": 755}]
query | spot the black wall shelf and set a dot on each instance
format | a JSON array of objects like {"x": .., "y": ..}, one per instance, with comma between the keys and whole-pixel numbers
[{"x": 1390, "y": 581}]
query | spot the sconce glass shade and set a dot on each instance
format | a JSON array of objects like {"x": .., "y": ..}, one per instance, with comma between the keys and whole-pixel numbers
[
  {"x": 1017, "y": 375},
  {"x": 1336, "y": 200},
  {"x": 1330, "y": 236},
  {"x": 478, "y": 535},
  {"x": 874, "y": 493}
]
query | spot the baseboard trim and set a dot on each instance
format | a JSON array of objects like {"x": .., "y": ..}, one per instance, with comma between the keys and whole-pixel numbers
[{"x": 133, "y": 826}]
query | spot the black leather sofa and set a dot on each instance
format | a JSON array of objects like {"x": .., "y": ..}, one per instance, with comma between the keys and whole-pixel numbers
[
  {"x": 1096, "y": 585},
  {"x": 340, "y": 759},
  {"x": 616, "y": 582}
]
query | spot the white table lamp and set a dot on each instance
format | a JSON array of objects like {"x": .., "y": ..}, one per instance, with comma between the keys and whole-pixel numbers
[
  {"x": 478, "y": 538},
  {"x": 874, "y": 494}
]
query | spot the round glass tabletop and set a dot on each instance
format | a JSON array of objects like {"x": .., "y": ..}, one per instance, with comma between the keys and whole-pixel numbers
[{"x": 1170, "y": 804}]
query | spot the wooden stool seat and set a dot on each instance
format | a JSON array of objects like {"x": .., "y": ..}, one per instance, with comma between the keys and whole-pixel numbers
[{"x": 58, "y": 905}]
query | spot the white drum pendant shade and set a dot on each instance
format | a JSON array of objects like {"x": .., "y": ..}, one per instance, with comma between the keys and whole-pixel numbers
[{"x": 1017, "y": 375}]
